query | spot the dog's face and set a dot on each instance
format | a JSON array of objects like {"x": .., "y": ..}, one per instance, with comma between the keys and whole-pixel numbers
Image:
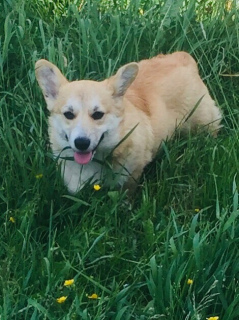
[{"x": 85, "y": 115}]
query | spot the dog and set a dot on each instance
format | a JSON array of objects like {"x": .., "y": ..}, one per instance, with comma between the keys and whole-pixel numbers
[{"x": 123, "y": 118}]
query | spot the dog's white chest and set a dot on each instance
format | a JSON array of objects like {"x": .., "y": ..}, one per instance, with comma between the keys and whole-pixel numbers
[{"x": 76, "y": 176}]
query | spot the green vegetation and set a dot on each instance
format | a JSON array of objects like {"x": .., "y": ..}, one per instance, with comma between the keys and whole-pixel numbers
[{"x": 136, "y": 256}]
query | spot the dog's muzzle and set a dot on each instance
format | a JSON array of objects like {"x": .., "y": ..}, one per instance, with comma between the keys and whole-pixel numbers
[{"x": 83, "y": 157}]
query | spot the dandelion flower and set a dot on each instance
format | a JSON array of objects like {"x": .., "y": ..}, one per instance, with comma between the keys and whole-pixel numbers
[
  {"x": 94, "y": 296},
  {"x": 97, "y": 187},
  {"x": 61, "y": 299},
  {"x": 141, "y": 11},
  {"x": 228, "y": 5},
  {"x": 197, "y": 210},
  {"x": 190, "y": 281},
  {"x": 39, "y": 176},
  {"x": 12, "y": 220},
  {"x": 68, "y": 283},
  {"x": 213, "y": 318}
]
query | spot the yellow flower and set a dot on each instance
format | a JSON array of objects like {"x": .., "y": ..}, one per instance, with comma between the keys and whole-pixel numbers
[
  {"x": 61, "y": 299},
  {"x": 39, "y": 176},
  {"x": 68, "y": 283},
  {"x": 213, "y": 318},
  {"x": 97, "y": 187},
  {"x": 228, "y": 5},
  {"x": 12, "y": 220},
  {"x": 94, "y": 296},
  {"x": 141, "y": 11},
  {"x": 197, "y": 210},
  {"x": 190, "y": 281}
]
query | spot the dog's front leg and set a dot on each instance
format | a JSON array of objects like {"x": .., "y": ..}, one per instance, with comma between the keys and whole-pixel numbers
[{"x": 71, "y": 173}]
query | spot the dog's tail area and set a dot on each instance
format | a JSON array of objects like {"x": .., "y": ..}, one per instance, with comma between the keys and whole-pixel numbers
[{"x": 181, "y": 57}]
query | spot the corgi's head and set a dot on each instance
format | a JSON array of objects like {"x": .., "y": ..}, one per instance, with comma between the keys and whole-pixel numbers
[{"x": 84, "y": 115}]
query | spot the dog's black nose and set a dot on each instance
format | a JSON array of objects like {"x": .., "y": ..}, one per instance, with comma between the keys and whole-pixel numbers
[{"x": 82, "y": 143}]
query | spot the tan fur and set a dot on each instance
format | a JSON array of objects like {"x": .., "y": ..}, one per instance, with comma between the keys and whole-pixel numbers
[{"x": 153, "y": 96}]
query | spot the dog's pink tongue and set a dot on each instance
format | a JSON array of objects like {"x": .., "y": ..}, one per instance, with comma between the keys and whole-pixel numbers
[{"x": 82, "y": 158}]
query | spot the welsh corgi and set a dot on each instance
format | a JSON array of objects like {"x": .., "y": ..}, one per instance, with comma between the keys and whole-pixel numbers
[{"x": 126, "y": 116}]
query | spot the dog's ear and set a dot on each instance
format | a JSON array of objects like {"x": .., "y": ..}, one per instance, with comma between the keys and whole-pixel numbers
[
  {"x": 123, "y": 78},
  {"x": 50, "y": 80}
]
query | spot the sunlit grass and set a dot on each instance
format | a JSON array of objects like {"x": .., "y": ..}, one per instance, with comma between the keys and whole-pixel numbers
[{"x": 126, "y": 258}]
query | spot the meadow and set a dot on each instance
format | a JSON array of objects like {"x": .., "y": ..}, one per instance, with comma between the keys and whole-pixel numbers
[{"x": 171, "y": 251}]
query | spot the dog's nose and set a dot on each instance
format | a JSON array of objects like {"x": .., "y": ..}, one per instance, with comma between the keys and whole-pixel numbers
[{"x": 82, "y": 143}]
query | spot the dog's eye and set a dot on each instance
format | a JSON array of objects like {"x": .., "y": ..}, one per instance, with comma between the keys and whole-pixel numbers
[
  {"x": 69, "y": 115},
  {"x": 97, "y": 115}
]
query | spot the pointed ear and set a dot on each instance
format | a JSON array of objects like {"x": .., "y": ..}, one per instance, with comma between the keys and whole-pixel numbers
[
  {"x": 123, "y": 78},
  {"x": 50, "y": 79}
]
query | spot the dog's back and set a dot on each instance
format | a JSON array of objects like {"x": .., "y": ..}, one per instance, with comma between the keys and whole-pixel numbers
[{"x": 167, "y": 88}]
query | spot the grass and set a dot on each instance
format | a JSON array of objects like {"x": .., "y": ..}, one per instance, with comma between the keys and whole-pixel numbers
[{"x": 136, "y": 256}]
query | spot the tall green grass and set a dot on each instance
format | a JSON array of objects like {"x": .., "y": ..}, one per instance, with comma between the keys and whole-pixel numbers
[{"x": 136, "y": 255}]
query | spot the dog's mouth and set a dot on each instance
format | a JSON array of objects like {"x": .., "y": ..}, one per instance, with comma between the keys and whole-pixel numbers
[
  {"x": 86, "y": 157},
  {"x": 83, "y": 158}
]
